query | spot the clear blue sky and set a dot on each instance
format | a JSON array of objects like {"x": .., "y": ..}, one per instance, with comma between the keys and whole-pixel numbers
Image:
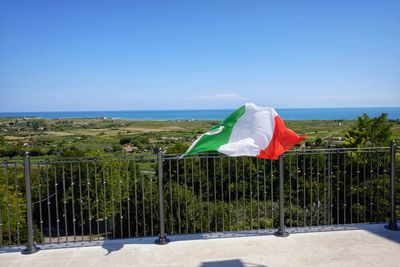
[{"x": 129, "y": 55}]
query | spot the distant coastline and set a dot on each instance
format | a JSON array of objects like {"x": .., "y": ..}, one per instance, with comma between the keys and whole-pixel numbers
[{"x": 212, "y": 114}]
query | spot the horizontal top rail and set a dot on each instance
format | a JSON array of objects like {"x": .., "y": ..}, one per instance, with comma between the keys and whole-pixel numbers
[
  {"x": 292, "y": 152},
  {"x": 41, "y": 159},
  {"x": 149, "y": 156}
]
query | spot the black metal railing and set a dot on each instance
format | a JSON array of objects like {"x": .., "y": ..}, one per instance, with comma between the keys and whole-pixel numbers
[{"x": 57, "y": 200}]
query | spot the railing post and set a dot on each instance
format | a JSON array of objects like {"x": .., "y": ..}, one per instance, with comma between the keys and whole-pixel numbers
[
  {"x": 162, "y": 239},
  {"x": 282, "y": 228},
  {"x": 30, "y": 247},
  {"x": 393, "y": 221}
]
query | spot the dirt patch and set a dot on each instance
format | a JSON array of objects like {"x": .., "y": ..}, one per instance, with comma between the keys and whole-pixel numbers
[{"x": 144, "y": 129}]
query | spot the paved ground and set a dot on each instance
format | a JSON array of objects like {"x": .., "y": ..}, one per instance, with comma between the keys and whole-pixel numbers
[{"x": 369, "y": 245}]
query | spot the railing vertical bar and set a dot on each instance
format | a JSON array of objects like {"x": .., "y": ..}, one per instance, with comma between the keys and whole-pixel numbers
[
  {"x": 30, "y": 247},
  {"x": 104, "y": 199},
  {"x": 383, "y": 174},
  {"x": 251, "y": 192},
  {"x": 1, "y": 216},
  {"x": 325, "y": 191},
  {"x": 170, "y": 197},
  {"x": 304, "y": 192},
  {"x": 272, "y": 192},
  {"x": 311, "y": 192},
  {"x": 17, "y": 202},
  {"x": 88, "y": 196},
  {"x": 8, "y": 203},
  {"x": 358, "y": 191},
  {"x": 351, "y": 189},
  {"x": 385, "y": 165},
  {"x": 56, "y": 192},
  {"x": 136, "y": 199},
  {"x": 193, "y": 206},
  {"x": 57, "y": 212},
  {"x": 65, "y": 204},
  {"x": 318, "y": 192},
  {"x": 265, "y": 189},
  {"x": 208, "y": 197},
  {"x": 297, "y": 190},
  {"x": 128, "y": 198},
  {"x": 112, "y": 199},
  {"x": 344, "y": 189},
  {"x": 73, "y": 201},
  {"x": 186, "y": 196},
  {"x": 229, "y": 197},
  {"x": 201, "y": 197},
  {"x": 80, "y": 198},
  {"x": 48, "y": 201},
  {"x": 282, "y": 227},
  {"x": 378, "y": 213},
  {"x": 97, "y": 200},
  {"x": 258, "y": 194},
  {"x": 237, "y": 193},
  {"x": 222, "y": 197},
  {"x": 151, "y": 206},
  {"x": 290, "y": 193},
  {"x": 380, "y": 187},
  {"x": 143, "y": 198},
  {"x": 178, "y": 185},
  {"x": 393, "y": 220},
  {"x": 365, "y": 188},
  {"x": 39, "y": 176},
  {"x": 215, "y": 197},
  {"x": 121, "y": 217},
  {"x": 162, "y": 240},
  {"x": 330, "y": 189},
  {"x": 244, "y": 195},
  {"x": 370, "y": 187},
  {"x": 337, "y": 188}
]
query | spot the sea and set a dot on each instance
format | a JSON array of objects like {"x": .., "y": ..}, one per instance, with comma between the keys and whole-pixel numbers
[{"x": 214, "y": 114}]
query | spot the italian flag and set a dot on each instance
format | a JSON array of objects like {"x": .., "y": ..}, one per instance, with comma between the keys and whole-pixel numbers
[{"x": 249, "y": 131}]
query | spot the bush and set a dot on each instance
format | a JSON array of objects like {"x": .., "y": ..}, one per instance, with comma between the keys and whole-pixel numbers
[
  {"x": 125, "y": 140},
  {"x": 10, "y": 151},
  {"x": 177, "y": 148}
]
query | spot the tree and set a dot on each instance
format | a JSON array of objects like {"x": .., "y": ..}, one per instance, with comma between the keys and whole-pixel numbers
[
  {"x": 141, "y": 141},
  {"x": 36, "y": 124},
  {"x": 177, "y": 148},
  {"x": 125, "y": 140},
  {"x": 2, "y": 140},
  {"x": 369, "y": 132}
]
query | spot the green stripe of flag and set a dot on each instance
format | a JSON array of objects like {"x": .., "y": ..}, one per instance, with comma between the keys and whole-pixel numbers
[{"x": 218, "y": 135}]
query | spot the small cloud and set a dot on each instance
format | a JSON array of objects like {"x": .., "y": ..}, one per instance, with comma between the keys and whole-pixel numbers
[{"x": 231, "y": 97}]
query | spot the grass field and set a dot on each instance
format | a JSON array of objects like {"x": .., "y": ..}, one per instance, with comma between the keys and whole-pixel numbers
[{"x": 99, "y": 135}]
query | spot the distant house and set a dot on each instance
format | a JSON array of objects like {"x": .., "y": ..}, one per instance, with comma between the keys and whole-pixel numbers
[{"x": 128, "y": 148}]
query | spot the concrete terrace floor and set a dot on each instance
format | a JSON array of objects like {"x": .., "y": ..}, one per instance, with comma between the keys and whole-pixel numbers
[{"x": 356, "y": 245}]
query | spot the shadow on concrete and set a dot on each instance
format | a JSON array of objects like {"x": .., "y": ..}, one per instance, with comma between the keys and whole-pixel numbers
[
  {"x": 112, "y": 247},
  {"x": 11, "y": 249},
  {"x": 229, "y": 263},
  {"x": 381, "y": 231}
]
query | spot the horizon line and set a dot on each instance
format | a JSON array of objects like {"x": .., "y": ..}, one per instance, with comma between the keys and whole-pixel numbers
[{"x": 199, "y": 109}]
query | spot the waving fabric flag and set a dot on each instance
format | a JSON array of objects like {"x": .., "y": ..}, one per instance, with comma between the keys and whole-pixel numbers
[{"x": 249, "y": 131}]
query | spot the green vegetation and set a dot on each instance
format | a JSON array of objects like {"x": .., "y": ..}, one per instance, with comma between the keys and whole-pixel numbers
[
  {"x": 369, "y": 132},
  {"x": 52, "y": 137}
]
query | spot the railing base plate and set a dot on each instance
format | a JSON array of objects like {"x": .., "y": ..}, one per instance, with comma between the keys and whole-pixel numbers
[
  {"x": 281, "y": 233},
  {"x": 162, "y": 241},
  {"x": 30, "y": 250},
  {"x": 392, "y": 227}
]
